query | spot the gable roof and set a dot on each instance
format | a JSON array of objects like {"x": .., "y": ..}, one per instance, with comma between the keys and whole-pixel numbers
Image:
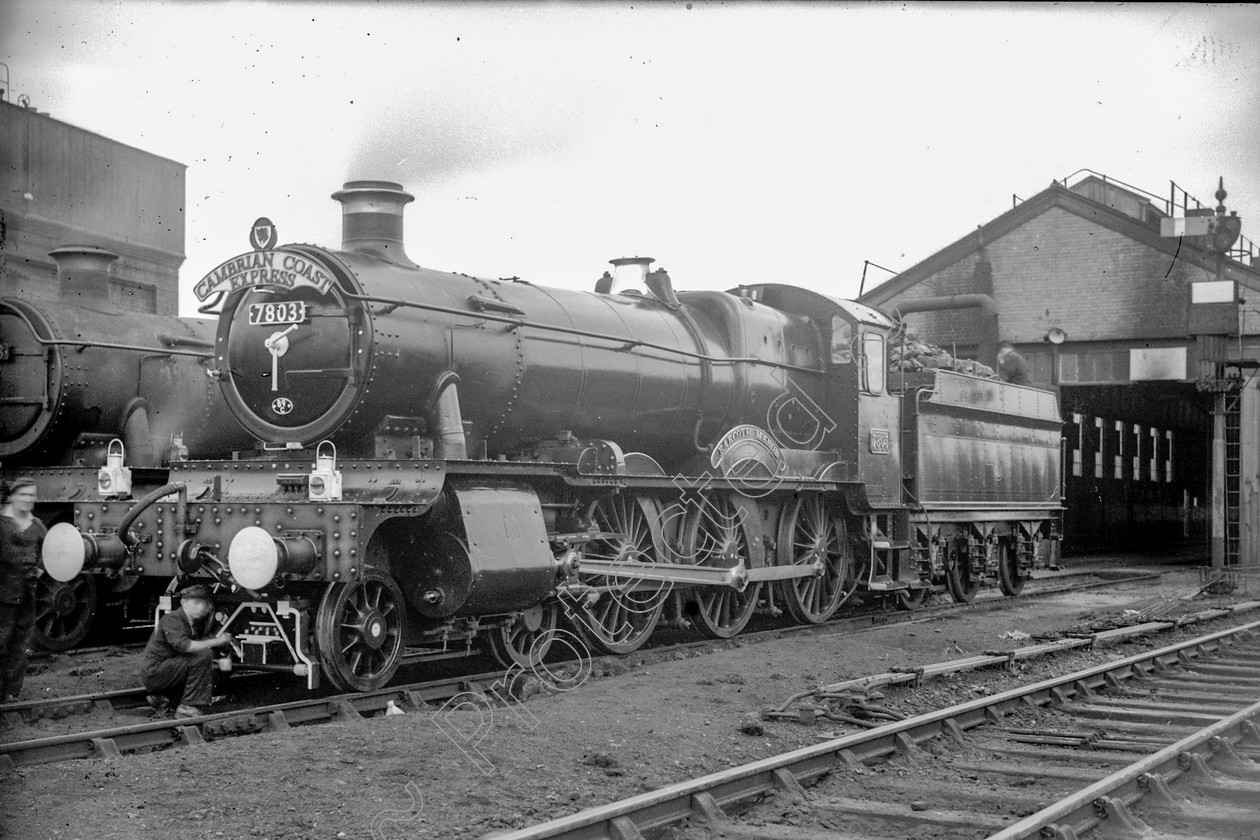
[{"x": 1056, "y": 195}]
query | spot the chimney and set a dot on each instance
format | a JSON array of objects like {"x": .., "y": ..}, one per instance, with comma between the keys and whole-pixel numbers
[
  {"x": 83, "y": 272},
  {"x": 630, "y": 272},
  {"x": 372, "y": 219}
]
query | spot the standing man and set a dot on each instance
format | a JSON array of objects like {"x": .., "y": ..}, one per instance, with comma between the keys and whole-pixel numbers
[
  {"x": 178, "y": 660},
  {"x": 21, "y": 535},
  {"x": 1012, "y": 367}
]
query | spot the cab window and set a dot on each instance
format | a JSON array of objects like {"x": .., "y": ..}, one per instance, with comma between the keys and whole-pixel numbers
[
  {"x": 873, "y": 362},
  {"x": 841, "y": 341}
]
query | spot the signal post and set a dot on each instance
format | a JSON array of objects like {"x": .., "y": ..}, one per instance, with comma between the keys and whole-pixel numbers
[{"x": 1213, "y": 321}]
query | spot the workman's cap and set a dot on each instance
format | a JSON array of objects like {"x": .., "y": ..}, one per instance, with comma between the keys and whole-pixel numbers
[
  {"x": 20, "y": 482},
  {"x": 197, "y": 590}
]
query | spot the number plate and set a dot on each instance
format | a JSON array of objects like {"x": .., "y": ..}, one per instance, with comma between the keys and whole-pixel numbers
[
  {"x": 272, "y": 314},
  {"x": 881, "y": 442}
]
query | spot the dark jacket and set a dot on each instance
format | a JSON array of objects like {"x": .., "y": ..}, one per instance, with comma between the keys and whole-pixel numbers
[
  {"x": 171, "y": 637},
  {"x": 19, "y": 559}
]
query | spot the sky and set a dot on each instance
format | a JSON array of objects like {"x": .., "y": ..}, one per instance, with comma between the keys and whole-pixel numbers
[{"x": 734, "y": 142}]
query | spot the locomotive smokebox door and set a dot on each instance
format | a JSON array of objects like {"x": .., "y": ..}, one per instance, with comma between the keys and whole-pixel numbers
[{"x": 489, "y": 553}]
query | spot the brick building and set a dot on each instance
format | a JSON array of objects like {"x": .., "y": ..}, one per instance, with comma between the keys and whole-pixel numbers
[
  {"x": 1099, "y": 302},
  {"x": 61, "y": 185}
]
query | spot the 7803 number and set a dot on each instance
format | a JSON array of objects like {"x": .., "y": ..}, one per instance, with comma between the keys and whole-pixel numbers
[{"x": 285, "y": 312}]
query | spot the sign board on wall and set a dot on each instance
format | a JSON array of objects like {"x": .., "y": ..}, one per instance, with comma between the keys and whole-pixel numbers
[
  {"x": 1213, "y": 308},
  {"x": 1212, "y": 291}
]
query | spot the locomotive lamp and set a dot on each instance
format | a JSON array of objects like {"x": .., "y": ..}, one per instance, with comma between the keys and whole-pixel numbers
[
  {"x": 113, "y": 481},
  {"x": 178, "y": 451},
  {"x": 325, "y": 481}
]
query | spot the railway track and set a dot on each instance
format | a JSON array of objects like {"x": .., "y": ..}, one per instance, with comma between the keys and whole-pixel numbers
[
  {"x": 858, "y": 619},
  {"x": 1163, "y": 740},
  {"x": 156, "y": 734}
]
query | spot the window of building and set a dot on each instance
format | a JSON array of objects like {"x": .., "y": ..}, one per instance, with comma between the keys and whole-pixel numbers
[
  {"x": 1168, "y": 457},
  {"x": 1119, "y": 450},
  {"x": 1078, "y": 366},
  {"x": 1098, "y": 451},
  {"x": 1077, "y": 450}
]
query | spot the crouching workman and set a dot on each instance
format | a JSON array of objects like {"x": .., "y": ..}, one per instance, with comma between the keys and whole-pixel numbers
[{"x": 179, "y": 658}]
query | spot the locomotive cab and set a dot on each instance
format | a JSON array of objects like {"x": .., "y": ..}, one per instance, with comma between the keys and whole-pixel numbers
[{"x": 865, "y": 417}]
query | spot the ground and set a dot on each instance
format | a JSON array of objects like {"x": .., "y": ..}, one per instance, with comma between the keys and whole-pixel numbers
[{"x": 637, "y": 724}]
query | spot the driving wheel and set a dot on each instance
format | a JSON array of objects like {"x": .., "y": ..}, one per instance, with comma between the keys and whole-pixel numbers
[
  {"x": 809, "y": 534},
  {"x": 621, "y": 616},
  {"x": 715, "y": 534}
]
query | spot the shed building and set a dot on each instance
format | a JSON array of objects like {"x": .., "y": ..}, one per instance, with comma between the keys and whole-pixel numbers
[{"x": 1099, "y": 302}]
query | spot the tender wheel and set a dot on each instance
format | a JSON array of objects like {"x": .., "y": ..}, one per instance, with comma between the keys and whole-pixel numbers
[
  {"x": 1009, "y": 578},
  {"x": 911, "y": 599},
  {"x": 526, "y": 639},
  {"x": 359, "y": 631},
  {"x": 64, "y": 612},
  {"x": 960, "y": 577},
  {"x": 622, "y": 618},
  {"x": 808, "y": 534},
  {"x": 715, "y": 534}
]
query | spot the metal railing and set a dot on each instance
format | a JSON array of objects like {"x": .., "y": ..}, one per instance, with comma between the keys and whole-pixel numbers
[{"x": 1245, "y": 250}]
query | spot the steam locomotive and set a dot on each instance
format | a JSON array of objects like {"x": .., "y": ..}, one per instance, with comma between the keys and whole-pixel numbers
[
  {"x": 444, "y": 460},
  {"x": 95, "y": 401}
]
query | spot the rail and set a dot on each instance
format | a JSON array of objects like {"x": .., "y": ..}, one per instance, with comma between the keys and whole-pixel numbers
[{"x": 703, "y": 798}]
